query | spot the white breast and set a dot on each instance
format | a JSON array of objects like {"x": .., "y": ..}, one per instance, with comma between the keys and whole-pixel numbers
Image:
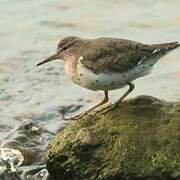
[{"x": 103, "y": 81}]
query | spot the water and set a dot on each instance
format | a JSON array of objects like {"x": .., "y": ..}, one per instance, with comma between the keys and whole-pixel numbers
[{"x": 35, "y": 96}]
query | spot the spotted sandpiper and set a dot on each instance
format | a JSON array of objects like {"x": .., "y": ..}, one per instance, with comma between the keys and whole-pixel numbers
[{"x": 107, "y": 63}]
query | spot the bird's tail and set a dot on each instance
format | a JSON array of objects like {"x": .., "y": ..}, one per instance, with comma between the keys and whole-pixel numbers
[
  {"x": 165, "y": 47},
  {"x": 160, "y": 50}
]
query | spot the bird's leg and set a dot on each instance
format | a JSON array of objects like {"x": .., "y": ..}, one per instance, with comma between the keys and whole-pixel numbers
[
  {"x": 131, "y": 88},
  {"x": 105, "y": 100}
]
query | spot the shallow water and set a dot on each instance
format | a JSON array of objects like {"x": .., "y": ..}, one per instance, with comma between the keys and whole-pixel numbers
[{"x": 30, "y": 31}]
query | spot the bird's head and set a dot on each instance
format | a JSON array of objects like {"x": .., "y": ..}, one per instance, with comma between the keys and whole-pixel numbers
[{"x": 65, "y": 47}]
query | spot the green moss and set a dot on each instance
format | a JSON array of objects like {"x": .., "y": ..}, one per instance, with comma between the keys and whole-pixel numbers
[{"x": 139, "y": 139}]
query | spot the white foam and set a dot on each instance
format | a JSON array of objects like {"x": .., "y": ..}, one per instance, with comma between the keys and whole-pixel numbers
[{"x": 12, "y": 156}]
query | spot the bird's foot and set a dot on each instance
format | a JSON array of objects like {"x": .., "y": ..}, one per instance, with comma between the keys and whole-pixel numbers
[
  {"x": 107, "y": 108},
  {"x": 74, "y": 118},
  {"x": 102, "y": 108}
]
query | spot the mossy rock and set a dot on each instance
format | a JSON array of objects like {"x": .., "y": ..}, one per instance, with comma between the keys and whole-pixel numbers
[{"x": 139, "y": 139}]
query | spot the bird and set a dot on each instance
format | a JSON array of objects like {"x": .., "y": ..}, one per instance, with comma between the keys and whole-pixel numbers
[{"x": 107, "y": 63}]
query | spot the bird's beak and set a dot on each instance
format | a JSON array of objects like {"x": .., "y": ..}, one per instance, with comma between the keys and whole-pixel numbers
[{"x": 51, "y": 58}]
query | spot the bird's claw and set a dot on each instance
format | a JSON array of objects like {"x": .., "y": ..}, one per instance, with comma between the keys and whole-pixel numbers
[
  {"x": 74, "y": 118},
  {"x": 102, "y": 110},
  {"x": 107, "y": 108}
]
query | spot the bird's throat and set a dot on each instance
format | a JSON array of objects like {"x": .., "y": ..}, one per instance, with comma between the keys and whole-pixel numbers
[{"x": 71, "y": 66}]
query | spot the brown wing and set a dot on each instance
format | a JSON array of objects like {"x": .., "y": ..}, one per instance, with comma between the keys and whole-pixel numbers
[{"x": 119, "y": 55}]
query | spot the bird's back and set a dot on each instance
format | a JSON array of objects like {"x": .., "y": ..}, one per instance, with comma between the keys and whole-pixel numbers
[{"x": 120, "y": 55}]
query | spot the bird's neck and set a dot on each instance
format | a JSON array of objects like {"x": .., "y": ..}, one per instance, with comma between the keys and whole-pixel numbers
[{"x": 70, "y": 65}]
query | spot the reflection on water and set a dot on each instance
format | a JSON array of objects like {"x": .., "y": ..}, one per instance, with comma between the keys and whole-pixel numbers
[{"x": 30, "y": 31}]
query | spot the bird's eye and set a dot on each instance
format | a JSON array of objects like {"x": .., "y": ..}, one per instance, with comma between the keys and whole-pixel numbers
[{"x": 65, "y": 48}]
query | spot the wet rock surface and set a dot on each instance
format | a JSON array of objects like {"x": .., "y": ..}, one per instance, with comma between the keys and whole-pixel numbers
[
  {"x": 22, "y": 148},
  {"x": 140, "y": 139}
]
